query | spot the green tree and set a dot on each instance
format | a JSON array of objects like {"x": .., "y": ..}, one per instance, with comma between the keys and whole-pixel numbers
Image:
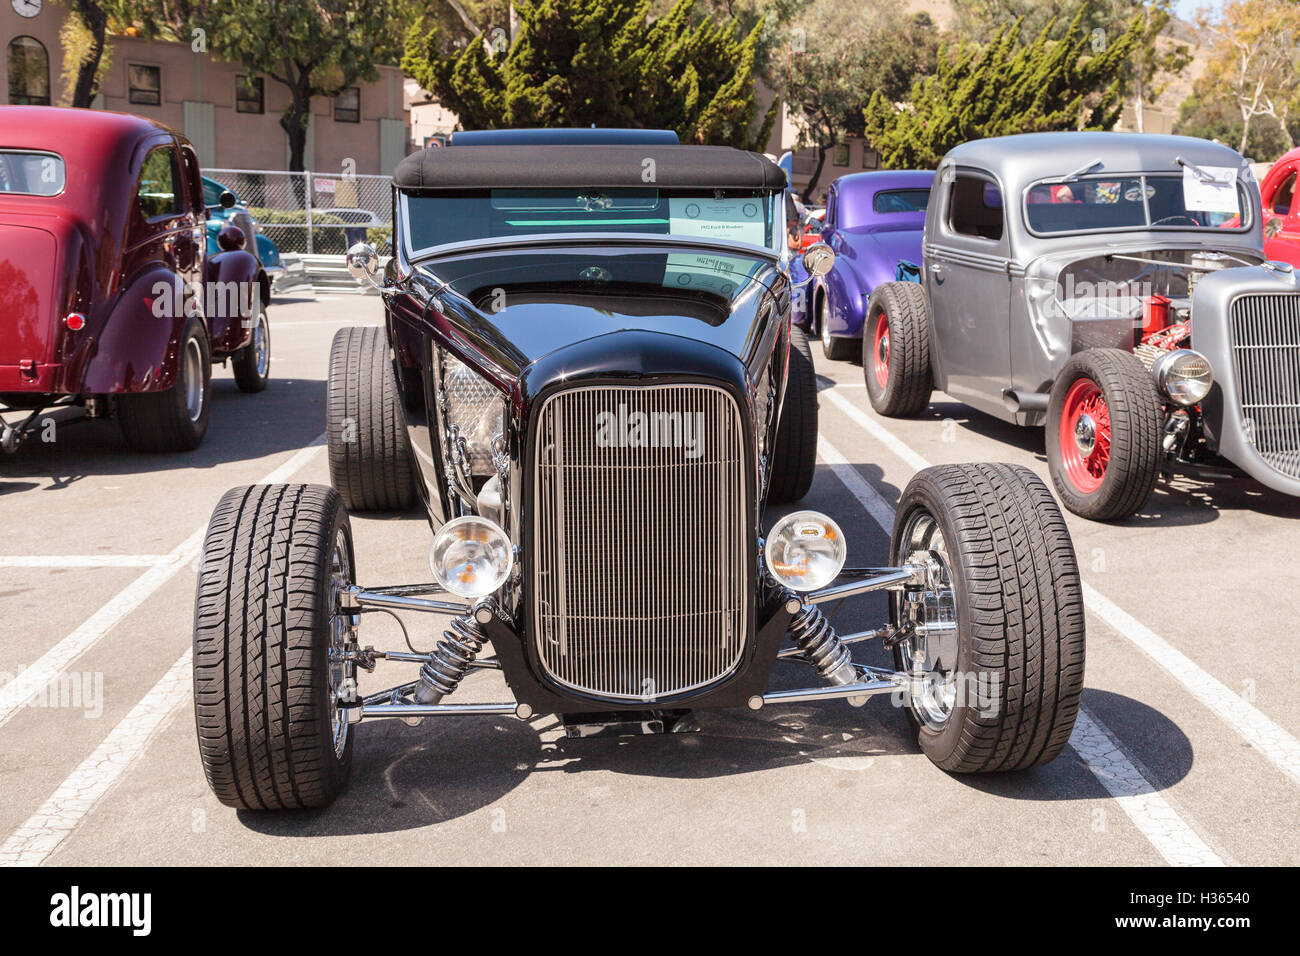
[
  {"x": 1004, "y": 87},
  {"x": 839, "y": 56},
  {"x": 602, "y": 62},
  {"x": 311, "y": 47},
  {"x": 1155, "y": 56},
  {"x": 84, "y": 41},
  {"x": 1252, "y": 62}
]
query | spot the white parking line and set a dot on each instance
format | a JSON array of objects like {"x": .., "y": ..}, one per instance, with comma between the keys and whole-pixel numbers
[
  {"x": 78, "y": 795},
  {"x": 1150, "y": 812},
  {"x": 1137, "y": 796},
  {"x": 1265, "y": 735},
  {"x": 15, "y": 694},
  {"x": 58, "y": 816},
  {"x": 82, "y": 560}
]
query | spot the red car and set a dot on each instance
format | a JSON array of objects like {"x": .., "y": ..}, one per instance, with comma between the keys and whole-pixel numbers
[
  {"x": 107, "y": 297},
  {"x": 1281, "y": 212}
]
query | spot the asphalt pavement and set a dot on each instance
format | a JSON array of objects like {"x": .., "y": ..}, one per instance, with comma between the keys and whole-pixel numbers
[{"x": 1186, "y": 752}]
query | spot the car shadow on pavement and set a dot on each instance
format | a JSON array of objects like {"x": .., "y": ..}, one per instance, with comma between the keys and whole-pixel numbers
[
  {"x": 1155, "y": 746},
  {"x": 285, "y": 417},
  {"x": 986, "y": 426},
  {"x": 404, "y": 778}
]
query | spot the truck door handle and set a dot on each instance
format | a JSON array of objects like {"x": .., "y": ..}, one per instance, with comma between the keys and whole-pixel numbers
[{"x": 936, "y": 268}]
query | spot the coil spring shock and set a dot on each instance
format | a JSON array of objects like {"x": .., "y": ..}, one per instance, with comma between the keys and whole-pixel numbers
[
  {"x": 451, "y": 659},
  {"x": 816, "y": 638}
]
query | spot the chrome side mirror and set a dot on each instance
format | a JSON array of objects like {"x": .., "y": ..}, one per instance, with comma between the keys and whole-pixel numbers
[
  {"x": 818, "y": 259},
  {"x": 363, "y": 263},
  {"x": 227, "y": 199}
]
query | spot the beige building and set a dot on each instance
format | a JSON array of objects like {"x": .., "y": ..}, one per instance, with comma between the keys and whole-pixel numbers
[{"x": 232, "y": 123}]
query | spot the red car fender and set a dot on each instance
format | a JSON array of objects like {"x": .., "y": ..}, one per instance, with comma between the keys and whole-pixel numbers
[
  {"x": 138, "y": 348},
  {"x": 1283, "y": 244},
  {"x": 235, "y": 289}
]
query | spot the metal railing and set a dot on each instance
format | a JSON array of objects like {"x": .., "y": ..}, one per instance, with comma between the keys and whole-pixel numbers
[{"x": 314, "y": 213}]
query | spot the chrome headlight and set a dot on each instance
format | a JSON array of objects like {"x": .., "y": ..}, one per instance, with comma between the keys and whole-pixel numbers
[
  {"x": 805, "y": 551},
  {"x": 1183, "y": 376},
  {"x": 471, "y": 556}
]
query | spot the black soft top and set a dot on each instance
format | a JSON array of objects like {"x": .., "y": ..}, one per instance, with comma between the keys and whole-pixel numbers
[{"x": 559, "y": 167}]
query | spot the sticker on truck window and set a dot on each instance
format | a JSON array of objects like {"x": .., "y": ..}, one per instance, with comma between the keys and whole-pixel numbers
[
  {"x": 1210, "y": 189},
  {"x": 735, "y": 220}
]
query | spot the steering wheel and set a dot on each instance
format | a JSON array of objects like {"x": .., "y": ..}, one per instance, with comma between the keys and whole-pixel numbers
[{"x": 1187, "y": 221}]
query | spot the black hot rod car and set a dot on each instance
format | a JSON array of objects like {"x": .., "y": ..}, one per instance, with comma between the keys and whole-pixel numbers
[{"x": 590, "y": 381}]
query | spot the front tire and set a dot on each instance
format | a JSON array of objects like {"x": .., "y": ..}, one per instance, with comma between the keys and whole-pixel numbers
[
  {"x": 833, "y": 347},
  {"x": 271, "y": 736},
  {"x": 177, "y": 419},
  {"x": 252, "y": 363},
  {"x": 365, "y": 428},
  {"x": 896, "y": 350},
  {"x": 794, "y": 453},
  {"x": 1105, "y": 425},
  {"x": 1001, "y": 691}
]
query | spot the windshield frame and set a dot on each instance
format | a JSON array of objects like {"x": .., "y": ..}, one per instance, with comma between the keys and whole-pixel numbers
[
  {"x": 1247, "y": 208},
  {"x": 771, "y": 252}
]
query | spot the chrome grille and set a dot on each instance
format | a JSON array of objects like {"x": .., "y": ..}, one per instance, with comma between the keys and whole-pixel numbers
[
  {"x": 640, "y": 587},
  {"x": 1266, "y": 359}
]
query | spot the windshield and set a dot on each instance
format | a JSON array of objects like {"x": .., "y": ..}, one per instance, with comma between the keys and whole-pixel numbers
[
  {"x": 731, "y": 215},
  {"x": 31, "y": 174},
  {"x": 1133, "y": 202}
]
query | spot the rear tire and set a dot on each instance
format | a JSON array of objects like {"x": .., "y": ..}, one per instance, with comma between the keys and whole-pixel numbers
[
  {"x": 835, "y": 348},
  {"x": 794, "y": 453},
  {"x": 252, "y": 363},
  {"x": 1108, "y": 399},
  {"x": 1019, "y": 615},
  {"x": 270, "y": 735},
  {"x": 177, "y": 419},
  {"x": 369, "y": 452},
  {"x": 896, "y": 350}
]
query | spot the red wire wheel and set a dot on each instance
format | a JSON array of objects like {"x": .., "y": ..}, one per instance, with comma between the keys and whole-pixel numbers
[
  {"x": 880, "y": 351},
  {"x": 1085, "y": 435}
]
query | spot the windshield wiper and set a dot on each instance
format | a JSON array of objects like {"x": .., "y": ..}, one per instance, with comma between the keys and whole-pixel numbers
[{"x": 1081, "y": 170}]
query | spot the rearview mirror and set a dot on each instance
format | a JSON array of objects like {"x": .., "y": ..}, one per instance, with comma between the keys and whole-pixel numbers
[
  {"x": 818, "y": 259},
  {"x": 363, "y": 261}
]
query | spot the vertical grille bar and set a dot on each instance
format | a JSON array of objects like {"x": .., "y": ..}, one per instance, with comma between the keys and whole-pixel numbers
[
  {"x": 640, "y": 590},
  {"x": 1266, "y": 361}
]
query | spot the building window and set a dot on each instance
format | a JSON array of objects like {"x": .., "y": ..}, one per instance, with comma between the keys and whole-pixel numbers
[
  {"x": 29, "y": 72},
  {"x": 870, "y": 158},
  {"x": 144, "y": 84},
  {"x": 347, "y": 105},
  {"x": 840, "y": 154},
  {"x": 249, "y": 93}
]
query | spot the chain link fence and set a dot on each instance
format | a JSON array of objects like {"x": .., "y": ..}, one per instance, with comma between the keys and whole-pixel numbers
[{"x": 314, "y": 213}]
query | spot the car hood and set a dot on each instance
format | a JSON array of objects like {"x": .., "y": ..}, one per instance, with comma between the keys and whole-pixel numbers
[{"x": 522, "y": 305}]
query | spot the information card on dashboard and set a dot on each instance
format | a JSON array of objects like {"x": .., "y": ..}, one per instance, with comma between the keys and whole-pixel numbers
[{"x": 735, "y": 220}]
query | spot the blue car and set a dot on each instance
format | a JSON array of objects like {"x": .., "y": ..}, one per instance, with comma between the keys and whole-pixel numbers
[
  {"x": 233, "y": 212},
  {"x": 874, "y": 223}
]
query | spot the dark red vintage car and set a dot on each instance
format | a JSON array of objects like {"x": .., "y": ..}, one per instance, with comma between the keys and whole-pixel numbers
[{"x": 107, "y": 297}]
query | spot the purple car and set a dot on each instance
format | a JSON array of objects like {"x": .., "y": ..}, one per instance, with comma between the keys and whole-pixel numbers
[{"x": 874, "y": 223}]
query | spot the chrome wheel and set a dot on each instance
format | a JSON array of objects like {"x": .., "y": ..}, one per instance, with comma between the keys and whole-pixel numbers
[
  {"x": 930, "y": 654},
  {"x": 823, "y": 319},
  {"x": 261, "y": 345},
  {"x": 342, "y": 671},
  {"x": 192, "y": 370}
]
